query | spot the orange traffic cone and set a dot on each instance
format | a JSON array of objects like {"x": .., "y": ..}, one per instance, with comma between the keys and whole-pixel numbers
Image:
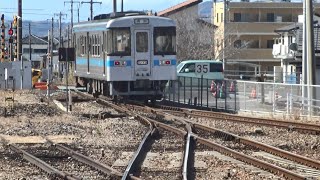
[
  {"x": 253, "y": 93},
  {"x": 232, "y": 87}
]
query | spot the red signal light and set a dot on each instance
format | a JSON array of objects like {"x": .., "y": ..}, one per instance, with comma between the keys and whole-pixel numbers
[
  {"x": 10, "y": 32},
  {"x": 168, "y": 62},
  {"x": 117, "y": 63}
]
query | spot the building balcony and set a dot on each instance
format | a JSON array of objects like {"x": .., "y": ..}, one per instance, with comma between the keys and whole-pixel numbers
[
  {"x": 254, "y": 28},
  {"x": 252, "y": 54},
  {"x": 281, "y": 51}
]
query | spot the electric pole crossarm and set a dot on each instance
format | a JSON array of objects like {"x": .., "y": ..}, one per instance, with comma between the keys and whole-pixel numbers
[
  {"x": 71, "y": 2},
  {"x": 60, "y": 27},
  {"x": 91, "y": 2}
]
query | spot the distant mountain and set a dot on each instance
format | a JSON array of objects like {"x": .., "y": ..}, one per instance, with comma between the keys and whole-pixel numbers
[
  {"x": 39, "y": 28},
  {"x": 205, "y": 9}
]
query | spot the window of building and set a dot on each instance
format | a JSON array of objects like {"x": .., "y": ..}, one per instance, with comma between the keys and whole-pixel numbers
[
  {"x": 270, "y": 69},
  {"x": 270, "y": 44},
  {"x": 40, "y": 51},
  {"x": 217, "y": 17},
  {"x": 26, "y": 50},
  {"x": 270, "y": 17},
  {"x": 237, "y": 17},
  {"x": 221, "y": 17}
]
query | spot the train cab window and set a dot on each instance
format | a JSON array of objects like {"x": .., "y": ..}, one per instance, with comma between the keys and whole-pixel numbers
[
  {"x": 119, "y": 42},
  {"x": 165, "y": 41},
  {"x": 142, "y": 42},
  {"x": 188, "y": 68}
]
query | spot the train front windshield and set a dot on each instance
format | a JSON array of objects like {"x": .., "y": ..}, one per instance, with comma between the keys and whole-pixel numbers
[
  {"x": 119, "y": 43},
  {"x": 165, "y": 41}
]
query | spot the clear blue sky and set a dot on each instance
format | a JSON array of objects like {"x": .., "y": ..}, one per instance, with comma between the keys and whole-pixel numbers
[{"x": 37, "y": 10}]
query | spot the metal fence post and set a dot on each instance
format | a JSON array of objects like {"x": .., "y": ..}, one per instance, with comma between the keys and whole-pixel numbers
[
  {"x": 174, "y": 91},
  {"x": 274, "y": 100},
  {"x": 225, "y": 95},
  {"x": 235, "y": 96},
  {"x": 198, "y": 90},
  {"x": 288, "y": 104},
  {"x": 291, "y": 103},
  {"x": 191, "y": 91},
  {"x": 217, "y": 94},
  {"x": 184, "y": 90},
  {"x": 201, "y": 93},
  {"x": 170, "y": 89},
  {"x": 207, "y": 93},
  {"x": 245, "y": 95},
  {"x": 178, "y": 90}
]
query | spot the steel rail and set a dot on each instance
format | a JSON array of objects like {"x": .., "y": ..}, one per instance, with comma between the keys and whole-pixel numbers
[
  {"x": 141, "y": 152},
  {"x": 248, "y": 159},
  {"x": 80, "y": 157},
  {"x": 43, "y": 165},
  {"x": 256, "y": 162},
  {"x": 264, "y": 147},
  {"x": 237, "y": 155},
  {"x": 220, "y": 148},
  {"x": 186, "y": 159},
  {"x": 88, "y": 161},
  {"x": 304, "y": 127}
]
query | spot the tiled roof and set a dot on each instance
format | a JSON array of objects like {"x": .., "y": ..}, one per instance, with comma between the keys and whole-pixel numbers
[{"x": 179, "y": 7}]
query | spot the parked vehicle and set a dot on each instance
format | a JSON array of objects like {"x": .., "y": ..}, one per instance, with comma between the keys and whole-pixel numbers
[{"x": 191, "y": 71}]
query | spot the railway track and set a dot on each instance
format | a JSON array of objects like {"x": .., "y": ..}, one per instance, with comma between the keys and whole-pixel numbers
[
  {"x": 217, "y": 147},
  {"x": 290, "y": 125}
]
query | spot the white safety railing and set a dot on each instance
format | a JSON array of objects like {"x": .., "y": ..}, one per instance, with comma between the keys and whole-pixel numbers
[{"x": 289, "y": 99}]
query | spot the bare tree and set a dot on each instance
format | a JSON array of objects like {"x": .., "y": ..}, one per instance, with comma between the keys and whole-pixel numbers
[
  {"x": 228, "y": 45},
  {"x": 194, "y": 37}
]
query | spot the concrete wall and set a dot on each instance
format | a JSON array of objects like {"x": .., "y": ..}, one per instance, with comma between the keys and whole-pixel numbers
[{"x": 14, "y": 72}]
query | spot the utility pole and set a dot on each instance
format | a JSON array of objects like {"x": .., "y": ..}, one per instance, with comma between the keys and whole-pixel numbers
[
  {"x": 60, "y": 26},
  {"x": 71, "y": 2},
  {"x": 19, "y": 48},
  {"x": 50, "y": 64},
  {"x": 60, "y": 36},
  {"x": 30, "y": 41},
  {"x": 310, "y": 55},
  {"x": 114, "y": 7},
  {"x": 91, "y": 2},
  {"x": 121, "y": 5},
  {"x": 78, "y": 13}
]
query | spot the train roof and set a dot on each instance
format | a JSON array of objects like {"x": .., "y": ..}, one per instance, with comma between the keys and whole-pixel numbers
[{"x": 128, "y": 21}]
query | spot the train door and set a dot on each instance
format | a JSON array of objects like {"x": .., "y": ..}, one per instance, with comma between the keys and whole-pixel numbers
[{"x": 142, "y": 59}]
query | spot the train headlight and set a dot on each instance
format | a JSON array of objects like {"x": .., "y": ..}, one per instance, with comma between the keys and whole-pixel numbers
[{"x": 165, "y": 62}]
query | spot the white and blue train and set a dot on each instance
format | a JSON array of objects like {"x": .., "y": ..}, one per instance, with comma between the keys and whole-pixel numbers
[{"x": 128, "y": 56}]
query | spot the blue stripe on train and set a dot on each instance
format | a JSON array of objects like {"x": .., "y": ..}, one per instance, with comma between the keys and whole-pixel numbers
[
  {"x": 99, "y": 62},
  {"x": 110, "y": 63},
  {"x": 156, "y": 62}
]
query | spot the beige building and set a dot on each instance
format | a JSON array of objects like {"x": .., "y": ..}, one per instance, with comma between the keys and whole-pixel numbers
[
  {"x": 246, "y": 33},
  {"x": 194, "y": 35}
]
